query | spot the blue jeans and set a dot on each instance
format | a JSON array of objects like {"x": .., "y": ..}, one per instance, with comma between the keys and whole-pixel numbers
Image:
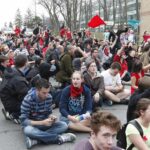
[
  {"x": 64, "y": 119},
  {"x": 46, "y": 134}
]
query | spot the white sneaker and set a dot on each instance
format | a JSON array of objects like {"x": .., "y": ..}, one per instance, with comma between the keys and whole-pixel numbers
[
  {"x": 15, "y": 120},
  {"x": 67, "y": 137},
  {"x": 30, "y": 142},
  {"x": 6, "y": 114}
]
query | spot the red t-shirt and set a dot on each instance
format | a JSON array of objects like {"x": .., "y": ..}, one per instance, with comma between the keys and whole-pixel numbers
[
  {"x": 68, "y": 35},
  {"x": 44, "y": 50},
  {"x": 11, "y": 62},
  {"x": 146, "y": 37},
  {"x": 124, "y": 66},
  {"x": 137, "y": 76},
  {"x": 62, "y": 32},
  {"x": 41, "y": 41},
  {"x": 46, "y": 35},
  {"x": 17, "y": 31}
]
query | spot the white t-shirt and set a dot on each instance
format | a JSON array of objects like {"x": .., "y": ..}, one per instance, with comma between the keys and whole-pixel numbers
[
  {"x": 110, "y": 80},
  {"x": 131, "y": 129}
]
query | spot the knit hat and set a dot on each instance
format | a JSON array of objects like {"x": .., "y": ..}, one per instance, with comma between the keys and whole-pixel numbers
[{"x": 44, "y": 70}]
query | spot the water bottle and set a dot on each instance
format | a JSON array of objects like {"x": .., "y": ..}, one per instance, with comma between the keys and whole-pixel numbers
[{"x": 83, "y": 116}]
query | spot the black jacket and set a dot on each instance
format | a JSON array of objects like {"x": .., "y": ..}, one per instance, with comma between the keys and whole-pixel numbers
[
  {"x": 133, "y": 102},
  {"x": 13, "y": 89}
]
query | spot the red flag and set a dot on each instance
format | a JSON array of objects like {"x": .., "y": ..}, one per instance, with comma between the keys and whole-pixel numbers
[{"x": 95, "y": 22}]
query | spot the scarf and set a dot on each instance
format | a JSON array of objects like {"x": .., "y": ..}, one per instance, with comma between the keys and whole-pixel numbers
[{"x": 75, "y": 92}]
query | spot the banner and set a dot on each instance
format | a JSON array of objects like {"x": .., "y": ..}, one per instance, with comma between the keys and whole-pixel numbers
[{"x": 134, "y": 23}]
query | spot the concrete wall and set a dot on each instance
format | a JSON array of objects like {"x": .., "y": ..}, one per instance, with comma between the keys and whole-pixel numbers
[{"x": 145, "y": 16}]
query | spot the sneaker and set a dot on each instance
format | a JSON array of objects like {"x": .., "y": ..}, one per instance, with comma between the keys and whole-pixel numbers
[
  {"x": 6, "y": 114},
  {"x": 108, "y": 103},
  {"x": 67, "y": 137},
  {"x": 30, "y": 142},
  {"x": 15, "y": 120}
]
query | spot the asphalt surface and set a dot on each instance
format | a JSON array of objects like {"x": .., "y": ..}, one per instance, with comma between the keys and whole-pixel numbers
[{"x": 11, "y": 136}]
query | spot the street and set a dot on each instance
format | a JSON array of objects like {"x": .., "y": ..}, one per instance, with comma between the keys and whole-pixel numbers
[{"x": 11, "y": 137}]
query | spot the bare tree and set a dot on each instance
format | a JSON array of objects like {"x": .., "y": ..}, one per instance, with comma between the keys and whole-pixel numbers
[
  {"x": 70, "y": 11},
  {"x": 74, "y": 14},
  {"x": 18, "y": 18},
  {"x": 120, "y": 12},
  {"x": 114, "y": 12},
  {"x": 51, "y": 8},
  {"x": 105, "y": 5},
  {"x": 28, "y": 19},
  {"x": 80, "y": 12},
  {"x": 125, "y": 11}
]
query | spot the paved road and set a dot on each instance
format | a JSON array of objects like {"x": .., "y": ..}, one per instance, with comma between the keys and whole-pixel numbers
[{"x": 11, "y": 137}]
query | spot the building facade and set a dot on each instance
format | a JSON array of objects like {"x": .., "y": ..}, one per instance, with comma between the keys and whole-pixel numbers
[
  {"x": 119, "y": 6},
  {"x": 145, "y": 16}
]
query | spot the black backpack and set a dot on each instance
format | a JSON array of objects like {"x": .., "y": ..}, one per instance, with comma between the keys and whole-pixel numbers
[{"x": 121, "y": 136}]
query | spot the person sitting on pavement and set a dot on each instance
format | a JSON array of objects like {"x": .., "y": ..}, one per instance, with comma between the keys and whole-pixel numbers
[
  {"x": 142, "y": 92},
  {"x": 95, "y": 82},
  {"x": 4, "y": 62},
  {"x": 44, "y": 72},
  {"x": 133, "y": 135},
  {"x": 104, "y": 127},
  {"x": 64, "y": 74},
  {"x": 39, "y": 125},
  {"x": 21, "y": 50},
  {"x": 66, "y": 65},
  {"x": 32, "y": 56},
  {"x": 120, "y": 57},
  {"x": 95, "y": 56},
  {"x": 13, "y": 88},
  {"x": 138, "y": 71},
  {"x": 76, "y": 104},
  {"x": 114, "y": 90}
]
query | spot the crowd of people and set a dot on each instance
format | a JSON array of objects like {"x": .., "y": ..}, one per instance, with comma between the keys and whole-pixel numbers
[{"x": 91, "y": 73}]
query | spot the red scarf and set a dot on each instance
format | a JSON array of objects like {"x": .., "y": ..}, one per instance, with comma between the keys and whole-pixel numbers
[{"x": 75, "y": 92}]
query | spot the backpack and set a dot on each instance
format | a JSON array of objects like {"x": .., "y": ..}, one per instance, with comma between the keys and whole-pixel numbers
[{"x": 121, "y": 136}]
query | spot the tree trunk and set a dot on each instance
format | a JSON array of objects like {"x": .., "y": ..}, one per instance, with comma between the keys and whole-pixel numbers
[
  {"x": 80, "y": 14},
  {"x": 105, "y": 11},
  {"x": 125, "y": 11}
]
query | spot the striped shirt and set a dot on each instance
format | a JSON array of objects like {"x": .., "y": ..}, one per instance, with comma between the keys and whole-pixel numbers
[
  {"x": 19, "y": 51},
  {"x": 34, "y": 109}
]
